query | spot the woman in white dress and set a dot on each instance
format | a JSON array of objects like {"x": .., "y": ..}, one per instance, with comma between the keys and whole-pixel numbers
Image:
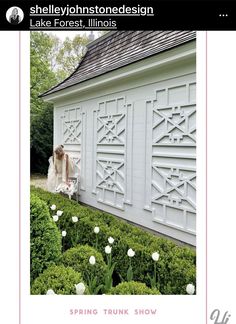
[{"x": 61, "y": 166}]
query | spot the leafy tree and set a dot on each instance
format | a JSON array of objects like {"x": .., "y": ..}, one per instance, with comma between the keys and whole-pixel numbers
[
  {"x": 69, "y": 54},
  {"x": 51, "y": 61},
  {"x": 41, "y": 78}
]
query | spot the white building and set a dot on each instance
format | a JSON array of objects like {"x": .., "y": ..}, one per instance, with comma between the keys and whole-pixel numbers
[{"x": 127, "y": 115}]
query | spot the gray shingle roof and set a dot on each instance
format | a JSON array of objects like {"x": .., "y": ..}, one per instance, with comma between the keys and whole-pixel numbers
[{"x": 120, "y": 48}]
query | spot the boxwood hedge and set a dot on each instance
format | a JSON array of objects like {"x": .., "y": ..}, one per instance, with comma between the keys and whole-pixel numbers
[
  {"x": 133, "y": 288},
  {"x": 60, "y": 279},
  {"x": 45, "y": 238},
  {"x": 78, "y": 259},
  {"x": 175, "y": 268}
]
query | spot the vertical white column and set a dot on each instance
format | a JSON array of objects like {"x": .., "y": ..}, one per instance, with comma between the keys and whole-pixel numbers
[
  {"x": 83, "y": 150},
  {"x": 148, "y": 155},
  {"x": 94, "y": 151},
  {"x": 129, "y": 155}
]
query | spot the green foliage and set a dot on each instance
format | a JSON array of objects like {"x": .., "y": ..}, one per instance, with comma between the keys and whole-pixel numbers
[
  {"x": 41, "y": 139},
  {"x": 41, "y": 79},
  {"x": 51, "y": 60},
  {"x": 108, "y": 278},
  {"x": 133, "y": 288},
  {"x": 60, "y": 279},
  {"x": 78, "y": 259},
  {"x": 180, "y": 272},
  {"x": 141, "y": 262},
  {"x": 153, "y": 279},
  {"x": 175, "y": 268},
  {"x": 45, "y": 239},
  {"x": 130, "y": 274},
  {"x": 108, "y": 282},
  {"x": 69, "y": 55}
]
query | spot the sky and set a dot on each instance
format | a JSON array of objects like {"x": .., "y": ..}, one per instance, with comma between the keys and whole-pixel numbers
[{"x": 62, "y": 34}]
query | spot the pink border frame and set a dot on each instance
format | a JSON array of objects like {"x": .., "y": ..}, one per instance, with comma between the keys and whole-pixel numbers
[
  {"x": 206, "y": 165},
  {"x": 19, "y": 177},
  {"x": 206, "y": 251}
]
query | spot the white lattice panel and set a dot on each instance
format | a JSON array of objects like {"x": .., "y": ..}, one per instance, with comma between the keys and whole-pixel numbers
[
  {"x": 171, "y": 181},
  {"x": 73, "y": 137},
  {"x": 111, "y": 184},
  {"x": 72, "y": 126}
]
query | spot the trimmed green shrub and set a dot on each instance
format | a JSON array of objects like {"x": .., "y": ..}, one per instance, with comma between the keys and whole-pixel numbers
[
  {"x": 133, "y": 288},
  {"x": 139, "y": 261},
  {"x": 185, "y": 253},
  {"x": 179, "y": 274},
  {"x": 70, "y": 208},
  {"x": 45, "y": 238},
  {"x": 78, "y": 259},
  {"x": 175, "y": 268},
  {"x": 59, "y": 278}
]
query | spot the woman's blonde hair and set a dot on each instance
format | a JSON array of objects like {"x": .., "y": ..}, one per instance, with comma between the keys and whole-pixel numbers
[{"x": 59, "y": 151}]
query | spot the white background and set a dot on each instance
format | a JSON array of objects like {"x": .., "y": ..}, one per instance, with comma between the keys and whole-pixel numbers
[{"x": 221, "y": 128}]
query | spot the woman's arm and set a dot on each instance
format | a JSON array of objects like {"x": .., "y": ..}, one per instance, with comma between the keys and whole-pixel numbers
[
  {"x": 54, "y": 163},
  {"x": 67, "y": 167}
]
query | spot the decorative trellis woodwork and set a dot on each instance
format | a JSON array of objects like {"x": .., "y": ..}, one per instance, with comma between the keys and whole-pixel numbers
[
  {"x": 72, "y": 126},
  {"x": 73, "y": 131},
  {"x": 171, "y": 145},
  {"x": 77, "y": 163},
  {"x": 111, "y": 155}
]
